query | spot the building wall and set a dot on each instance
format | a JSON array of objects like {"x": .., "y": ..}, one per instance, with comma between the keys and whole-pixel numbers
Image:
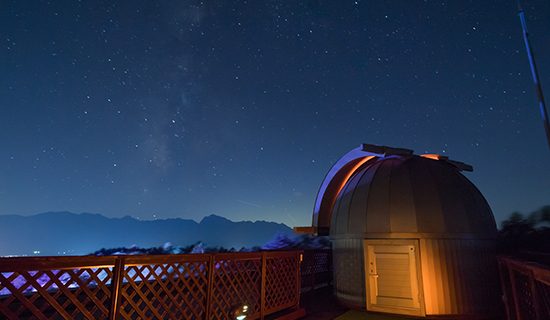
[
  {"x": 349, "y": 272},
  {"x": 460, "y": 276}
]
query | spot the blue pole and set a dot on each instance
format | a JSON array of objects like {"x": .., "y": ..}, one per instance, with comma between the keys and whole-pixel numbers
[{"x": 534, "y": 73}]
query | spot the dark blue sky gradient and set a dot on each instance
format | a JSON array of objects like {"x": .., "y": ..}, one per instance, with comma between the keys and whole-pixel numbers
[{"x": 187, "y": 108}]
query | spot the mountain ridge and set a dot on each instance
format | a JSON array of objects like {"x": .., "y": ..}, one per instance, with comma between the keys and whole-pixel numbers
[{"x": 63, "y": 232}]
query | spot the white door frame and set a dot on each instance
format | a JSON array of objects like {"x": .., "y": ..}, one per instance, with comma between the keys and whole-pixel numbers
[{"x": 416, "y": 280}]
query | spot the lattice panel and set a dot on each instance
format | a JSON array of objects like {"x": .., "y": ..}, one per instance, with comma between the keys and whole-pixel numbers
[
  {"x": 281, "y": 280},
  {"x": 148, "y": 287},
  {"x": 165, "y": 291},
  {"x": 56, "y": 294},
  {"x": 507, "y": 290},
  {"x": 543, "y": 291},
  {"x": 235, "y": 283},
  {"x": 321, "y": 262},
  {"x": 316, "y": 268},
  {"x": 525, "y": 297}
]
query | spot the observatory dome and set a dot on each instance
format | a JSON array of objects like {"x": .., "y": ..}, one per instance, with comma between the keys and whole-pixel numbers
[
  {"x": 410, "y": 235},
  {"x": 411, "y": 194}
]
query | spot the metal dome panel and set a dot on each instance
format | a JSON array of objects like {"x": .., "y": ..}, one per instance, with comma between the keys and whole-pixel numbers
[{"x": 405, "y": 194}]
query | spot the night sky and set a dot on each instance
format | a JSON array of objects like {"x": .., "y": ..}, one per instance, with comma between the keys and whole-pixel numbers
[{"x": 236, "y": 108}]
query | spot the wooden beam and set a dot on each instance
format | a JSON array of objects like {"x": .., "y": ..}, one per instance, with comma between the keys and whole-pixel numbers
[
  {"x": 305, "y": 230},
  {"x": 116, "y": 282},
  {"x": 316, "y": 231},
  {"x": 211, "y": 270},
  {"x": 262, "y": 286}
]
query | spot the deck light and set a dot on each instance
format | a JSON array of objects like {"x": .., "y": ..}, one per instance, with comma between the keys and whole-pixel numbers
[{"x": 240, "y": 312}]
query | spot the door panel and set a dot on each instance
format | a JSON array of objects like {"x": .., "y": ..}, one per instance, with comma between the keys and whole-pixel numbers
[{"x": 393, "y": 276}]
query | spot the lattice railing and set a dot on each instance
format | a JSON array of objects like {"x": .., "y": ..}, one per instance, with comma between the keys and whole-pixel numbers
[
  {"x": 236, "y": 281},
  {"x": 196, "y": 286},
  {"x": 282, "y": 271},
  {"x": 164, "y": 288},
  {"x": 56, "y": 288},
  {"x": 316, "y": 269},
  {"x": 526, "y": 288}
]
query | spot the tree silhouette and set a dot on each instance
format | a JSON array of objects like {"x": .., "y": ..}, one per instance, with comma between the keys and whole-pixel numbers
[{"x": 521, "y": 234}]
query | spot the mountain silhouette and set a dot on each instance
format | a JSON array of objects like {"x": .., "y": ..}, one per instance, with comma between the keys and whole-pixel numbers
[{"x": 58, "y": 233}]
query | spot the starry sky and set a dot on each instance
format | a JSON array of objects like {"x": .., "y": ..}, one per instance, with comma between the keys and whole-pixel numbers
[{"x": 160, "y": 109}]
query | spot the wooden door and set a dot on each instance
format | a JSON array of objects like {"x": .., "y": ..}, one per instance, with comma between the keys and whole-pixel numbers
[{"x": 393, "y": 277}]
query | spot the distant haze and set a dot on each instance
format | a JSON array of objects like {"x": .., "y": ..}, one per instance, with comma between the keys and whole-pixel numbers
[{"x": 58, "y": 233}]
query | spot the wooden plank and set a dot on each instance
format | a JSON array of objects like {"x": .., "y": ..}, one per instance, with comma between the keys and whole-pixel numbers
[
  {"x": 503, "y": 268},
  {"x": 305, "y": 230},
  {"x": 239, "y": 256},
  {"x": 514, "y": 292},
  {"x": 263, "y": 284},
  {"x": 535, "y": 296},
  {"x": 16, "y": 264},
  {"x": 299, "y": 255},
  {"x": 134, "y": 260},
  {"x": 211, "y": 270},
  {"x": 541, "y": 275},
  {"x": 116, "y": 282}
]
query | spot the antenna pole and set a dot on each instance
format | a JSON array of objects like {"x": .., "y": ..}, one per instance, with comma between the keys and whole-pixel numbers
[{"x": 534, "y": 73}]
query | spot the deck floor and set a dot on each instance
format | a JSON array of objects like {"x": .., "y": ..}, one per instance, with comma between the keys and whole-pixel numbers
[
  {"x": 320, "y": 304},
  {"x": 359, "y": 315}
]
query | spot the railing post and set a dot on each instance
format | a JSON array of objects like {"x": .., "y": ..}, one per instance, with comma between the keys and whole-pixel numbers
[
  {"x": 263, "y": 284},
  {"x": 330, "y": 267},
  {"x": 299, "y": 256},
  {"x": 116, "y": 282},
  {"x": 503, "y": 269},
  {"x": 211, "y": 270},
  {"x": 313, "y": 273},
  {"x": 535, "y": 295},
  {"x": 514, "y": 291}
]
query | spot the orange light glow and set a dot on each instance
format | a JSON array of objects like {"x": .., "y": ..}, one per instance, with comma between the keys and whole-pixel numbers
[
  {"x": 350, "y": 173},
  {"x": 434, "y": 156}
]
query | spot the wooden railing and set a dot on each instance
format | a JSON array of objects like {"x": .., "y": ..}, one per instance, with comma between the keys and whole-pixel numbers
[
  {"x": 192, "y": 286},
  {"x": 526, "y": 288},
  {"x": 316, "y": 269}
]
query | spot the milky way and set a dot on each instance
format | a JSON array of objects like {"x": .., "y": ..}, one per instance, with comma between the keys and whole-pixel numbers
[{"x": 187, "y": 108}]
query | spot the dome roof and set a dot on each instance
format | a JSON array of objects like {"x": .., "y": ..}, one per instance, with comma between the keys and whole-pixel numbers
[{"x": 393, "y": 195}]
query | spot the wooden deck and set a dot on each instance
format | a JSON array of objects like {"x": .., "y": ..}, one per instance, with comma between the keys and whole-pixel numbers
[
  {"x": 359, "y": 315},
  {"x": 320, "y": 304}
]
